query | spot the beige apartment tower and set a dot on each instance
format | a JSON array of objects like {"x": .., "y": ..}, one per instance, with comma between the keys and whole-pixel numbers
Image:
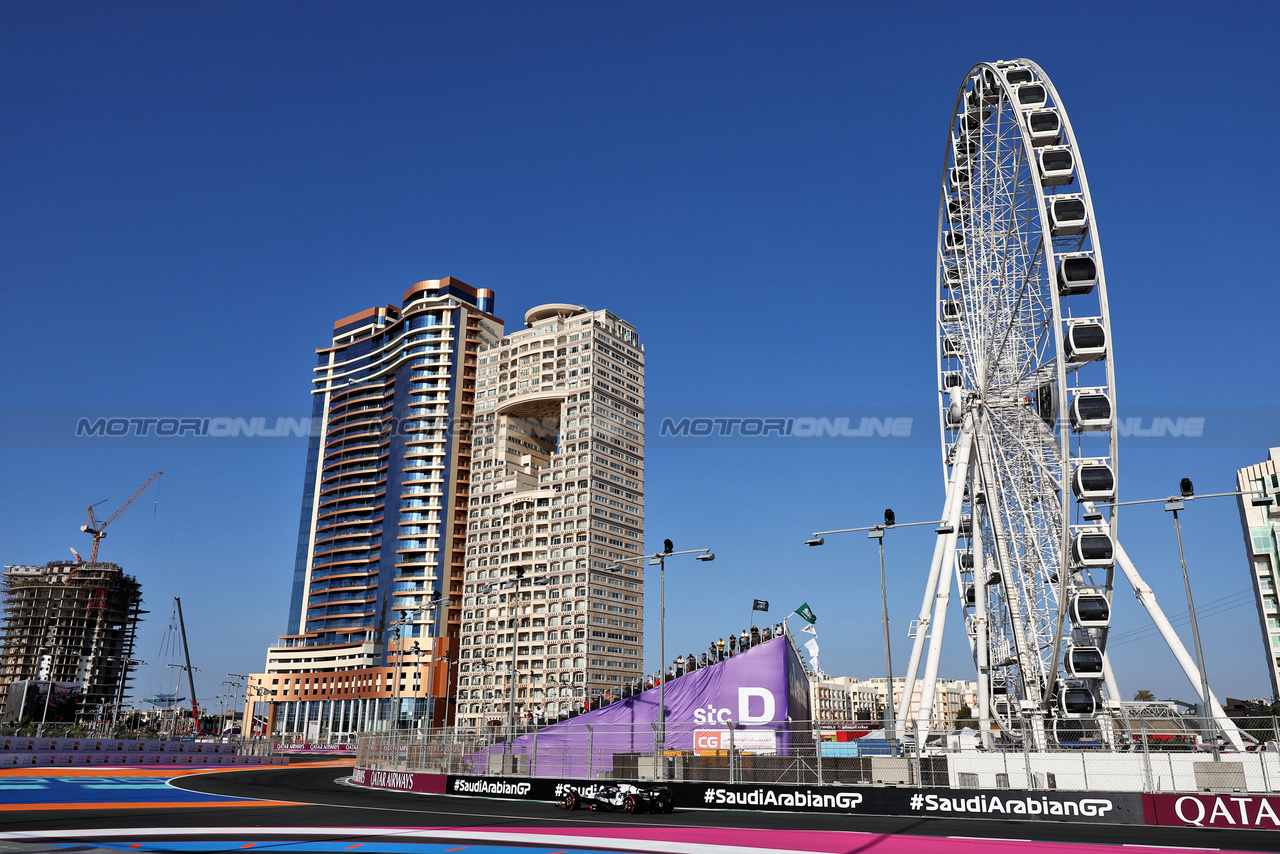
[
  {"x": 1260, "y": 519},
  {"x": 554, "y": 577}
]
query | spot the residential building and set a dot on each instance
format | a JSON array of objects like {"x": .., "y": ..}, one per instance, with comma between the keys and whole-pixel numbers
[
  {"x": 1260, "y": 521},
  {"x": 839, "y": 700},
  {"x": 554, "y": 587},
  {"x": 949, "y": 695},
  {"x": 73, "y": 623},
  {"x": 373, "y": 620}
]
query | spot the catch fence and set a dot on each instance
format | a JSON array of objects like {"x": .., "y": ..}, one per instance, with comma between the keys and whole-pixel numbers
[{"x": 1170, "y": 754}]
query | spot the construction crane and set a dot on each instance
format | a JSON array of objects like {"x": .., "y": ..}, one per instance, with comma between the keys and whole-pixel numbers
[{"x": 99, "y": 529}]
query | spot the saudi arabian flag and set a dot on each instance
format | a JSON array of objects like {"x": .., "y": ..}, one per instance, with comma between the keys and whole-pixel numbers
[{"x": 806, "y": 613}]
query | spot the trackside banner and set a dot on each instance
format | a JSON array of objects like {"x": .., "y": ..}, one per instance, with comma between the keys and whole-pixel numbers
[
  {"x": 1250, "y": 812},
  {"x": 1108, "y": 808},
  {"x": 399, "y": 781},
  {"x": 1105, "y": 807},
  {"x": 1087, "y": 807}
]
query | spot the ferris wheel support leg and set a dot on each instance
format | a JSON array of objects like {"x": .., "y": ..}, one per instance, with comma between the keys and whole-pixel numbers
[
  {"x": 982, "y": 655},
  {"x": 937, "y": 627},
  {"x": 1147, "y": 597},
  {"x": 951, "y": 516},
  {"x": 1106, "y": 719},
  {"x": 1109, "y": 679}
]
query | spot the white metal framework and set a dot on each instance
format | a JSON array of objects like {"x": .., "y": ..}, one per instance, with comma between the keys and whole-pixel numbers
[{"x": 1026, "y": 385}]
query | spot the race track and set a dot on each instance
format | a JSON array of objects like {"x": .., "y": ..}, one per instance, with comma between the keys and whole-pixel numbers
[{"x": 308, "y": 808}]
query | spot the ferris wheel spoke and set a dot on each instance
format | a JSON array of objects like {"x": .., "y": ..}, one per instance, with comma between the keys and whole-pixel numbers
[
  {"x": 1036, "y": 524},
  {"x": 1020, "y": 644},
  {"x": 1023, "y": 289}
]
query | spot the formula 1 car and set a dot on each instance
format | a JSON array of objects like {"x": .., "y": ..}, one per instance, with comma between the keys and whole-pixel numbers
[{"x": 618, "y": 797}]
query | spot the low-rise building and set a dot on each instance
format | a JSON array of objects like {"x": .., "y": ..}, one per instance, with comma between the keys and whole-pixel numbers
[{"x": 849, "y": 700}]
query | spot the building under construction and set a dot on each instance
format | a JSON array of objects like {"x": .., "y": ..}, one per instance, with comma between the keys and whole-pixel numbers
[{"x": 72, "y": 623}]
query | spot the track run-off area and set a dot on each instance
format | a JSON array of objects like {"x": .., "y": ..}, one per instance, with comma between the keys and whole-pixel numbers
[{"x": 312, "y": 808}]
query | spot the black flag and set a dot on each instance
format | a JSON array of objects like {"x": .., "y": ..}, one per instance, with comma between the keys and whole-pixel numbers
[{"x": 760, "y": 605}]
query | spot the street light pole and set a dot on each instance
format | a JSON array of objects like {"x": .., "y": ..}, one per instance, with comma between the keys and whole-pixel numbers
[
  {"x": 431, "y": 697},
  {"x": 395, "y": 677},
  {"x": 125, "y": 664},
  {"x": 876, "y": 532},
  {"x": 235, "y": 700},
  {"x": 662, "y": 660},
  {"x": 1173, "y": 505},
  {"x": 890, "y": 723},
  {"x": 398, "y": 634},
  {"x": 449, "y": 661},
  {"x": 513, "y": 600},
  {"x": 660, "y": 560}
]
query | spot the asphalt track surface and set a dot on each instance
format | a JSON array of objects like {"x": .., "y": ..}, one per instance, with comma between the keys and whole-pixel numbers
[{"x": 308, "y": 801}]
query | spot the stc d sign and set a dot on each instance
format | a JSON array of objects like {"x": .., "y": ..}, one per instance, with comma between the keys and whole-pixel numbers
[{"x": 765, "y": 708}]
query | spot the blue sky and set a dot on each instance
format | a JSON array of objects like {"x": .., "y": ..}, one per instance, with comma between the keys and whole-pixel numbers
[{"x": 195, "y": 192}]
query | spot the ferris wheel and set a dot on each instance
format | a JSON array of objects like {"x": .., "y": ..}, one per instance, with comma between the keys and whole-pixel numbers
[{"x": 1027, "y": 401}]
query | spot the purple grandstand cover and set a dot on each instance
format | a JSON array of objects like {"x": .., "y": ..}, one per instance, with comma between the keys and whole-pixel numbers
[{"x": 748, "y": 694}]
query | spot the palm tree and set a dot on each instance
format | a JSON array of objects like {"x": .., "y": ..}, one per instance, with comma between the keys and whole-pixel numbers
[{"x": 1144, "y": 696}]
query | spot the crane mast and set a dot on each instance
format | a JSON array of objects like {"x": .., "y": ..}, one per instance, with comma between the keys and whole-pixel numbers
[{"x": 191, "y": 677}]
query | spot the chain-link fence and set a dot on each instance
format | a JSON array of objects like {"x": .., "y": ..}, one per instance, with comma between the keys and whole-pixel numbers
[{"x": 1175, "y": 753}]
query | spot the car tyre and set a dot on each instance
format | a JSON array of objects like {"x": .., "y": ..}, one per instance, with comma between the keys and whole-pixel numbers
[
  {"x": 631, "y": 805},
  {"x": 569, "y": 800}
]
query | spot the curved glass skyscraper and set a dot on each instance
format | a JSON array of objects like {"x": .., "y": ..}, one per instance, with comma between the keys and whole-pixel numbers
[{"x": 382, "y": 536}]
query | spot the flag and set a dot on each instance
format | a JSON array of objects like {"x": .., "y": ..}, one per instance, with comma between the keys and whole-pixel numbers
[
  {"x": 760, "y": 605},
  {"x": 810, "y": 629},
  {"x": 806, "y": 613},
  {"x": 811, "y": 646}
]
